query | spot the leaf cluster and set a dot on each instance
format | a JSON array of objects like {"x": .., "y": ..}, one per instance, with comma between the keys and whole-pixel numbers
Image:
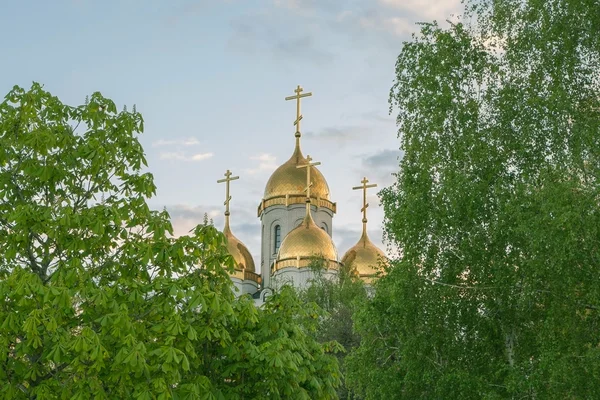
[
  {"x": 495, "y": 211},
  {"x": 99, "y": 300},
  {"x": 339, "y": 296}
]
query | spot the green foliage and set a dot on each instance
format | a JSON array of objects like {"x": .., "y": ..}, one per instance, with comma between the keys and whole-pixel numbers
[
  {"x": 98, "y": 300},
  {"x": 339, "y": 297},
  {"x": 495, "y": 210}
]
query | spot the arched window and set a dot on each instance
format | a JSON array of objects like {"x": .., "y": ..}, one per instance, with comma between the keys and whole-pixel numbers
[
  {"x": 324, "y": 227},
  {"x": 277, "y": 238}
]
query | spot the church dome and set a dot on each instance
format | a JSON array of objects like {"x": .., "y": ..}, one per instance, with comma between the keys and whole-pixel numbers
[
  {"x": 364, "y": 257},
  {"x": 303, "y": 243},
  {"x": 240, "y": 253},
  {"x": 289, "y": 180}
]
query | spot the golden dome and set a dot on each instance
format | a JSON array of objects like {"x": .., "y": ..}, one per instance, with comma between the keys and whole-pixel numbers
[
  {"x": 289, "y": 180},
  {"x": 364, "y": 257},
  {"x": 305, "y": 242},
  {"x": 241, "y": 255}
]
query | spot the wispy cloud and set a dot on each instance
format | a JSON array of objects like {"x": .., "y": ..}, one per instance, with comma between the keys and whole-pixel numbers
[
  {"x": 191, "y": 141},
  {"x": 201, "y": 156},
  {"x": 266, "y": 163},
  {"x": 181, "y": 156},
  {"x": 343, "y": 135},
  {"x": 438, "y": 9},
  {"x": 384, "y": 158},
  {"x": 381, "y": 165},
  {"x": 269, "y": 32}
]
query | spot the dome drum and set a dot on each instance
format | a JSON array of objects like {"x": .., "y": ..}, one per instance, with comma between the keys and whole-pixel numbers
[
  {"x": 288, "y": 200},
  {"x": 245, "y": 275},
  {"x": 302, "y": 262}
]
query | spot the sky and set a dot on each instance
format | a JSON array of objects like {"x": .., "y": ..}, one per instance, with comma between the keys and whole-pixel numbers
[{"x": 210, "y": 78}]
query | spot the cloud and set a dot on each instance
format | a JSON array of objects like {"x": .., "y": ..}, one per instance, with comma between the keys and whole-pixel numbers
[
  {"x": 201, "y": 156},
  {"x": 342, "y": 135},
  {"x": 380, "y": 166},
  {"x": 266, "y": 163},
  {"x": 438, "y": 9},
  {"x": 293, "y": 30},
  {"x": 389, "y": 22},
  {"x": 399, "y": 26},
  {"x": 383, "y": 158},
  {"x": 385, "y": 23},
  {"x": 302, "y": 46},
  {"x": 277, "y": 33},
  {"x": 191, "y": 141},
  {"x": 181, "y": 156}
]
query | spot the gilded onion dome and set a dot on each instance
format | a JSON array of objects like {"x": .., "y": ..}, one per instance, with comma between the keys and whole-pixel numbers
[
  {"x": 243, "y": 262},
  {"x": 304, "y": 243},
  {"x": 289, "y": 180},
  {"x": 364, "y": 257},
  {"x": 240, "y": 253}
]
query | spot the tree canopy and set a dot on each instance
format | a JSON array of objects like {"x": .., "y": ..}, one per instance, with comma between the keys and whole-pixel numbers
[
  {"x": 99, "y": 301},
  {"x": 495, "y": 211},
  {"x": 339, "y": 296}
]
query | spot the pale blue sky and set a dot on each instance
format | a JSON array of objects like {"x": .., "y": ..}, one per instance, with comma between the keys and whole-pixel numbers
[{"x": 210, "y": 79}]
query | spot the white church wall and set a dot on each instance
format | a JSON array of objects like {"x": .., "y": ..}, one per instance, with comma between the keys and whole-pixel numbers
[
  {"x": 245, "y": 286},
  {"x": 249, "y": 287},
  {"x": 237, "y": 283},
  {"x": 298, "y": 277}
]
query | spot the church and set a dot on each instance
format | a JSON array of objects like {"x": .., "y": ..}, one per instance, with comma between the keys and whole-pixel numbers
[{"x": 296, "y": 214}]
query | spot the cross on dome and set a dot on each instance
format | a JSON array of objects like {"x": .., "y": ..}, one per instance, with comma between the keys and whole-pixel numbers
[
  {"x": 297, "y": 97},
  {"x": 308, "y": 166},
  {"x": 228, "y": 178},
  {"x": 364, "y": 188}
]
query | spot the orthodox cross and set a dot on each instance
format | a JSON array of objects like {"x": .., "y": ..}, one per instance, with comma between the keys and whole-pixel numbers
[
  {"x": 297, "y": 97},
  {"x": 364, "y": 188},
  {"x": 308, "y": 165},
  {"x": 228, "y": 178}
]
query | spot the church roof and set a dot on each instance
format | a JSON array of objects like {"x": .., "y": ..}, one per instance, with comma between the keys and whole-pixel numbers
[
  {"x": 304, "y": 243},
  {"x": 289, "y": 180},
  {"x": 239, "y": 251},
  {"x": 364, "y": 257}
]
